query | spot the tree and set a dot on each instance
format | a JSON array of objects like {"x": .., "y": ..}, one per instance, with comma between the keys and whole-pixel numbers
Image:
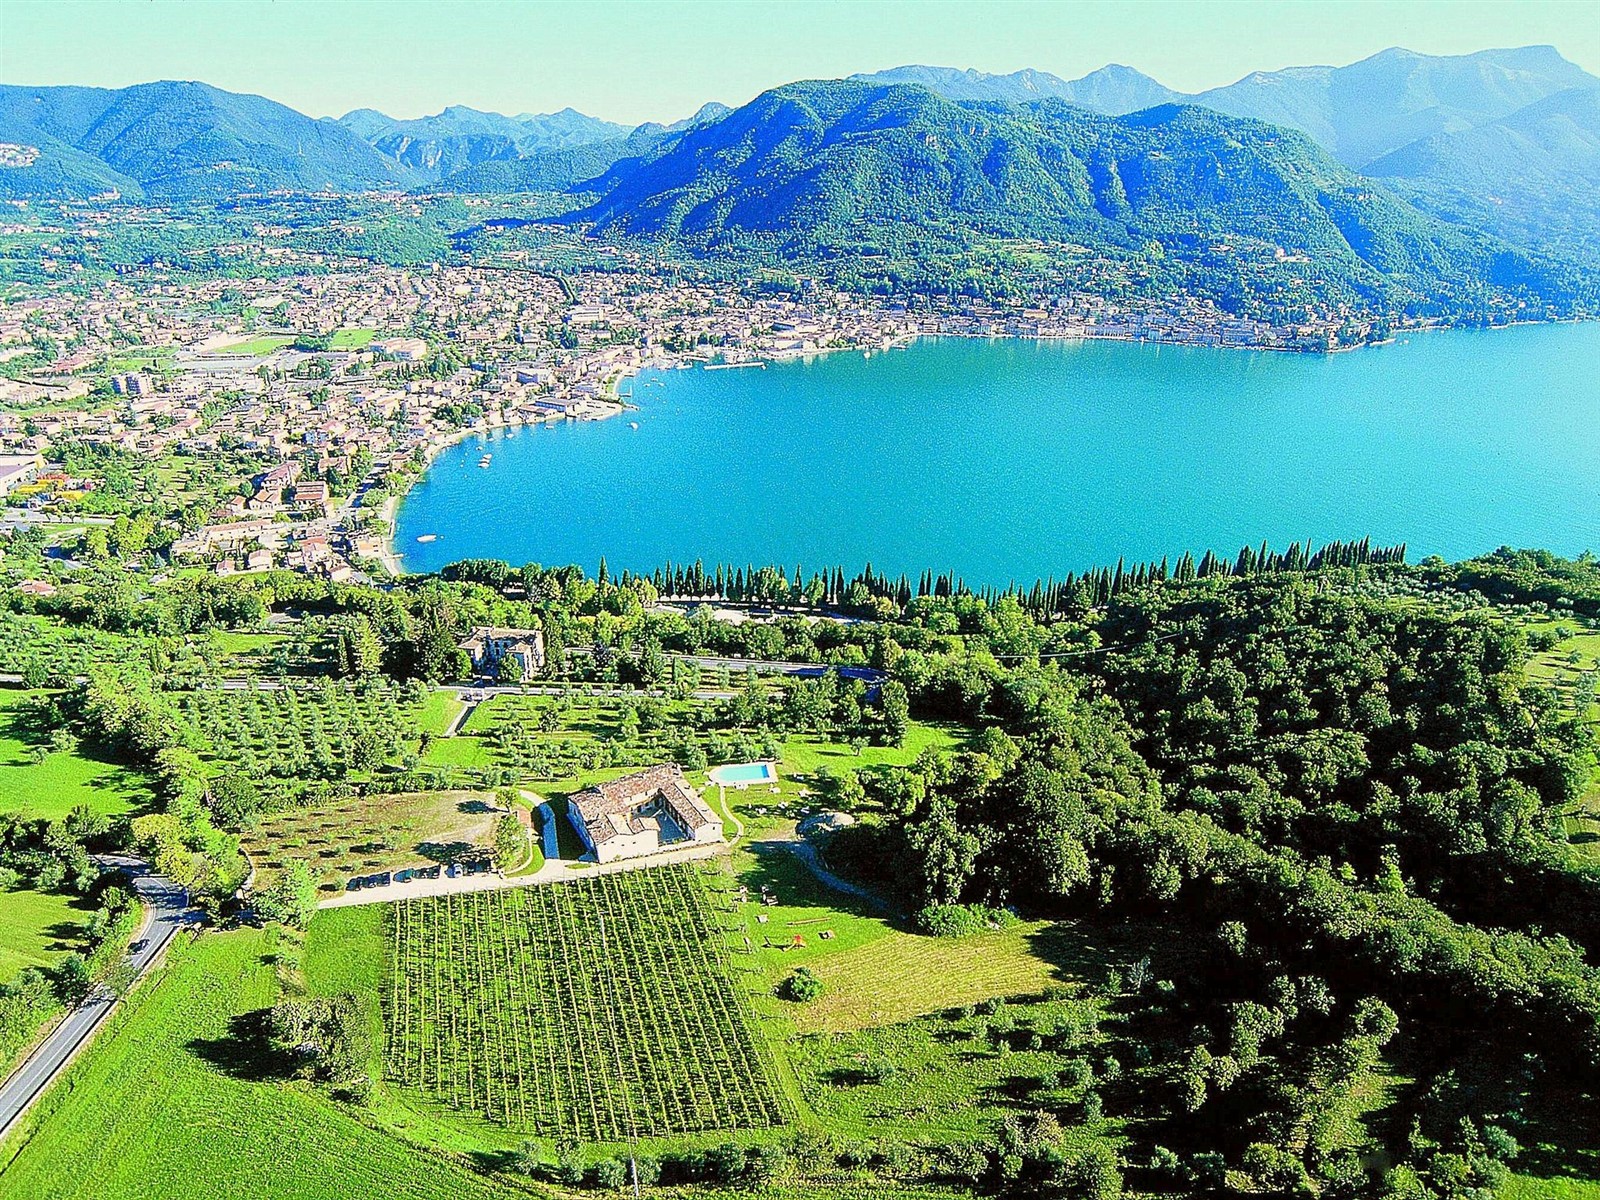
[
  {"x": 802, "y": 987},
  {"x": 895, "y": 712},
  {"x": 234, "y": 800},
  {"x": 292, "y": 899},
  {"x": 508, "y": 670},
  {"x": 510, "y": 841},
  {"x": 611, "y": 1174}
]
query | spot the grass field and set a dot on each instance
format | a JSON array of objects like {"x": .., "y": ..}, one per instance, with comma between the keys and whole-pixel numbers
[
  {"x": 598, "y": 1010},
  {"x": 351, "y": 339},
  {"x": 142, "y": 358},
  {"x": 64, "y": 779},
  {"x": 37, "y": 929},
  {"x": 166, "y": 1107},
  {"x": 357, "y": 834},
  {"x": 1577, "y": 652},
  {"x": 951, "y": 1074},
  {"x": 875, "y": 972},
  {"x": 265, "y": 344},
  {"x": 437, "y": 712}
]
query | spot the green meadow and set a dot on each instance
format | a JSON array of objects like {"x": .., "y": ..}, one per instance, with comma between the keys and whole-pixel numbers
[{"x": 53, "y": 786}]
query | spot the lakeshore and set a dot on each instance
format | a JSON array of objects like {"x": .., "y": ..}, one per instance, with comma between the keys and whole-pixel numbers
[{"x": 1012, "y": 458}]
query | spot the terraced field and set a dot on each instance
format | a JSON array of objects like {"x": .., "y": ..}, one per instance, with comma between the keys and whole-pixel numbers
[{"x": 598, "y": 1009}]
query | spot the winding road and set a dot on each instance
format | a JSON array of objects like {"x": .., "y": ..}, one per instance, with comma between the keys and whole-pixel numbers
[{"x": 167, "y": 913}]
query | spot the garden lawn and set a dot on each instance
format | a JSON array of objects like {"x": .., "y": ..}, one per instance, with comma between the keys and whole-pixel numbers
[
  {"x": 351, "y": 339},
  {"x": 37, "y": 929},
  {"x": 64, "y": 780},
  {"x": 805, "y": 755},
  {"x": 875, "y": 972},
  {"x": 437, "y": 712},
  {"x": 163, "y": 1106}
]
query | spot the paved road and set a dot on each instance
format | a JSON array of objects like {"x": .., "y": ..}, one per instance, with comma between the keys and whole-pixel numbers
[{"x": 167, "y": 914}]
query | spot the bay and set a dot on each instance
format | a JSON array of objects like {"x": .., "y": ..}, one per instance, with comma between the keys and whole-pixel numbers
[{"x": 1011, "y": 460}]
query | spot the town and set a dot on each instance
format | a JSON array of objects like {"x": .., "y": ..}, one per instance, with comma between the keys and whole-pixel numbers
[{"x": 297, "y": 407}]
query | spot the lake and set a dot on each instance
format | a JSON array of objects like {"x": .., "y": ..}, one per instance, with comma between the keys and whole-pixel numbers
[{"x": 1011, "y": 460}]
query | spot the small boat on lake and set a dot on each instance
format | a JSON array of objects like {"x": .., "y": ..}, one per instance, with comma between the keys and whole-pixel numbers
[
  {"x": 484, "y": 462},
  {"x": 428, "y": 537},
  {"x": 633, "y": 424}
]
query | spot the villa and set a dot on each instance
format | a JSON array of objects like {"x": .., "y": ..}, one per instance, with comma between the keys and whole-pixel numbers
[
  {"x": 488, "y": 645},
  {"x": 642, "y": 814}
]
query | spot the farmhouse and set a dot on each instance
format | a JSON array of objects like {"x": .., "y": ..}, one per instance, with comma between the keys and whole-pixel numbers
[
  {"x": 487, "y": 645},
  {"x": 641, "y": 814}
]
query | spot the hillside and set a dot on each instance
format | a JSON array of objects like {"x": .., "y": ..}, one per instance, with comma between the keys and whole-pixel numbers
[
  {"x": 846, "y": 167},
  {"x": 177, "y": 140},
  {"x": 1533, "y": 177},
  {"x": 1375, "y": 106}
]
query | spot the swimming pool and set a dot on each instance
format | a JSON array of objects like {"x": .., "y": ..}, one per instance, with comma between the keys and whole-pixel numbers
[{"x": 744, "y": 774}]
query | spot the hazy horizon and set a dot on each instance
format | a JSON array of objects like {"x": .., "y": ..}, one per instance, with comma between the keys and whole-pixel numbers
[{"x": 607, "y": 58}]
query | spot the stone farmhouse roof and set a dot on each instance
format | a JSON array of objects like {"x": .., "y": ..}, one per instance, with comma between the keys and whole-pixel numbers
[{"x": 611, "y": 809}]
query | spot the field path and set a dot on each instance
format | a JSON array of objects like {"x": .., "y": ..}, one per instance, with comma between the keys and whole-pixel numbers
[{"x": 554, "y": 871}]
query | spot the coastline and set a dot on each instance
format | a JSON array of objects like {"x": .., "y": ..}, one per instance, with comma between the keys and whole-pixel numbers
[{"x": 392, "y": 557}]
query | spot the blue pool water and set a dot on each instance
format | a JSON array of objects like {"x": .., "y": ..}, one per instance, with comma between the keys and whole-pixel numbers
[
  {"x": 1006, "y": 459},
  {"x": 744, "y": 773}
]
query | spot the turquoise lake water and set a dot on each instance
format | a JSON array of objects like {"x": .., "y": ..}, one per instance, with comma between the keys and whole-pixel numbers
[{"x": 1007, "y": 459}]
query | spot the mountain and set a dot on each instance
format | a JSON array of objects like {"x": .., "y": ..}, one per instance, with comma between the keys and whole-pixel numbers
[
  {"x": 569, "y": 127},
  {"x": 1533, "y": 176},
  {"x": 557, "y": 168},
  {"x": 846, "y": 167},
  {"x": 175, "y": 140},
  {"x": 1117, "y": 90},
  {"x": 460, "y": 138},
  {"x": 1371, "y": 108},
  {"x": 1114, "y": 90}
]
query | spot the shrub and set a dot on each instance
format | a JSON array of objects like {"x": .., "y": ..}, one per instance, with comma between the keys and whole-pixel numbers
[
  {"x": 611, "y": 1174},
  {"x": 802, "y": 987},
  {"x": 724, "y": 1163}
]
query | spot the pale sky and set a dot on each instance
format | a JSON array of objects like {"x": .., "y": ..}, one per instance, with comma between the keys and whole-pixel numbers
[{"x": 636, "y": 60}]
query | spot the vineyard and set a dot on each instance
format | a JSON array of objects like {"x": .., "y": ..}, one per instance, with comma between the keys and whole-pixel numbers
[{"x": 598, "y": 1009}]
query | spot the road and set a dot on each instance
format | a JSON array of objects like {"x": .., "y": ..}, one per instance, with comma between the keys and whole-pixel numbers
[{"x": 166, "y": 915}]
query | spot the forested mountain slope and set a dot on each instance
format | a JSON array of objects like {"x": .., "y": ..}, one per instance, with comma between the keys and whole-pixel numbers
[
  {"x": 840, "y": 167},
  {"x": 179, "y": 140}
]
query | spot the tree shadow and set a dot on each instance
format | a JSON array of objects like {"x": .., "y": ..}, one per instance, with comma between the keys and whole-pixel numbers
[
  {"x": 476, "y": 807},
  {"x": 494, "y": 1162},
  {"x": 64, "y": 935},
  {"x": 445, "y": 852},
  {"x": 246, "y": 1052},
  {"x": 781, "y": 872}
]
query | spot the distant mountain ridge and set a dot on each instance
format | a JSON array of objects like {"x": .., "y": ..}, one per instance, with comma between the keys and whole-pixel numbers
[
  {"x": 460, "y": 138},
  {"x": 1473, "y": 155},
  {"x": 1373, "y": 107},
  {"x": 1114, "y": 90},
  {"x": 179, "y": 140}
]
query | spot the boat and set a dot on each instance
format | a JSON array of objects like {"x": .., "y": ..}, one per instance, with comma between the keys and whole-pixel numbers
[
  {"x": 633, "y": 424},
  {"x": 484, "y": 462},
  {"x": 428, "y": 537}
]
